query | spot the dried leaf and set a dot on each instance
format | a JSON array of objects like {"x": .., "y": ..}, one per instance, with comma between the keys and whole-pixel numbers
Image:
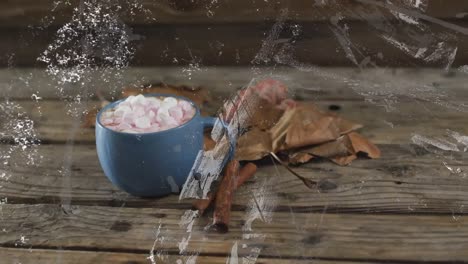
[
  {"x": 299, "y": 157},
  {"x": 301, "y": 126},
  {"x": 208, "y": 143},
  {"x": 340, "y": 147},
  {"x": 279, "y": 131},
  {"x": 253, "y": 145},
  {"x": 343, "y": 161},
  {"x": 265, "y": 115},
  {"x": 346, "y": 126},
  {"x": 305, "y": 131},
  {"x": 361, "y": 144},
  {"x": 339, "y": 151}
]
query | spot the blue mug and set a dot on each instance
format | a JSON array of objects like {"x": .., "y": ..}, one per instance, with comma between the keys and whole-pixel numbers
[{"x": 151, "y": 164}]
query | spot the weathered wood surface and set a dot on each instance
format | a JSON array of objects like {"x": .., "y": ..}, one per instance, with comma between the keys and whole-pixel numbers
[
  {"x": 41, "y": 256},
  {"x": 233, "y": 32},
  {"x": 241, "y": 45},
  {"x": 334, "y": 83},
  {"x": 313, "y": 235},
  {"x": 408, "y": 206},
  {"x": 406, "y": 180},
  {"x": 37, "y": 12},
  {"x": 55, "y": 121}
]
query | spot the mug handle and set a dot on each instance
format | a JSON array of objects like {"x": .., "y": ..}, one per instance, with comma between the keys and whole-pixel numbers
[{"x": 210, "y": 122}]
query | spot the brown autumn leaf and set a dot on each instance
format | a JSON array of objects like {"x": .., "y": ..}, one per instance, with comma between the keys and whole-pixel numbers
[
  {"x": 299, "y": 157},
  {"x": 303, "y": 126},
  {"x": 279, "y": 131},
  {"x": 345, "y": 126},
  {"x": 253, "y": 145},
  {"x": 337, "y": 148},
  {"x": 208, "y": 142},
  {"x": 310, "y": 126},
  {"x": 346, "y": 148},
  {"x": 338, "y": 151},
  {"x": 265, "y": 115},
  {"x": 362, "y": 144},
  {"x": 345, "y": 160},
  {"x": 341, "y": 151}
]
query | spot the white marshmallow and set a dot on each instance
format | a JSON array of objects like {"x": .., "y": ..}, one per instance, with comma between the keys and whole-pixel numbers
[
  {"x": 140, "y": 114},
  {"x": 121, "y": 110},
  {"x": 138, "y": 100},
  {"x": 176, "y": 112},
  {"x": 139, "y": 111},
  {"x": 143, "y": 122},
  {"x": 169, "y": 102}
]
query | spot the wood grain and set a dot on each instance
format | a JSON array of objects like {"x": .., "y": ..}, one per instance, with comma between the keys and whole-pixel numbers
[
  {"x": 406, "y": 180},
  {"x": 405, "y": 207},
  {"x": 56, "y": 121},
  {"x": 259, "y": 43},
  {"x": 43, "y": 256},
  {"x": 37, "y": 12},
  {"x": 318, "y": 83},
  {"x": 303, "y": 236}
]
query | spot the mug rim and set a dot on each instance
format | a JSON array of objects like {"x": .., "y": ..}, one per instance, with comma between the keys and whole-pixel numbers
[{"x": 113, "y": 104}]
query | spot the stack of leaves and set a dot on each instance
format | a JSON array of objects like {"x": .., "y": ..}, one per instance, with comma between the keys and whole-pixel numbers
[
  {"x": 299, "y": 129},
  {"x": 277, "y": 124}
]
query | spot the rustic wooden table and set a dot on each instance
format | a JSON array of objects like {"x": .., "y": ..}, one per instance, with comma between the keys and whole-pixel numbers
[{"x": 406, "y": 207}]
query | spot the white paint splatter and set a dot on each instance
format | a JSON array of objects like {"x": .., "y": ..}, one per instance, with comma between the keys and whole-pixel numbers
[
  {"x": 172, "y": 183},
  {"x": 439, "y": 143},
  {"x": 233, "y": 258}
]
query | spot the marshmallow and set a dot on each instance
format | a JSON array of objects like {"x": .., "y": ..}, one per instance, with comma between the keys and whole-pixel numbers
[
  {"x": 139, "y": 111},
  {"x": 107, "y": 121},
  {"x": 122, "y": 110},
  {"x": 176, "y": 112},
  {"x": 138, "y": 100},
  {"x": 169, "y": 102},
  {"x": 143, "y": 122},
  {"x": 185, "y": 105},
  {"x": 140, "y": 114}
]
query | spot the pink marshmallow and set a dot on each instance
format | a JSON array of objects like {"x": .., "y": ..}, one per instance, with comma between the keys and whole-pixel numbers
[
  {"x": 124, "y": 126},
  {"x": 143, "y": 122},
  {"x": 176, "y": 112},
  {"x": 140, "y": 114},
  {"x": 107, "y": 121},
  {"x": 189, "y": 114},
  {"x": 186, "y": 106},
  {"x": 139, "y": 110}
]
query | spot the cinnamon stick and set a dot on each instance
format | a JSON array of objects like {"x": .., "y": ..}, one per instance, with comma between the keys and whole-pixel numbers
[
  {"x": 222, "y": 212},
  {"x": 245, "y": 173}
]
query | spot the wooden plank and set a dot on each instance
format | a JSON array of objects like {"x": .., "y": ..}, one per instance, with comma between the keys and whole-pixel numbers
[
  {"x": 304, "y": 236},
  {"x": 39, "y": 12},
  {"x": 221, "y": 44},
  {"x": 406, "y": 180},
  {"x": 318, "y": 83},
  {"x": 56, "y": 121},
  {"x": 41, "y": 256}
]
